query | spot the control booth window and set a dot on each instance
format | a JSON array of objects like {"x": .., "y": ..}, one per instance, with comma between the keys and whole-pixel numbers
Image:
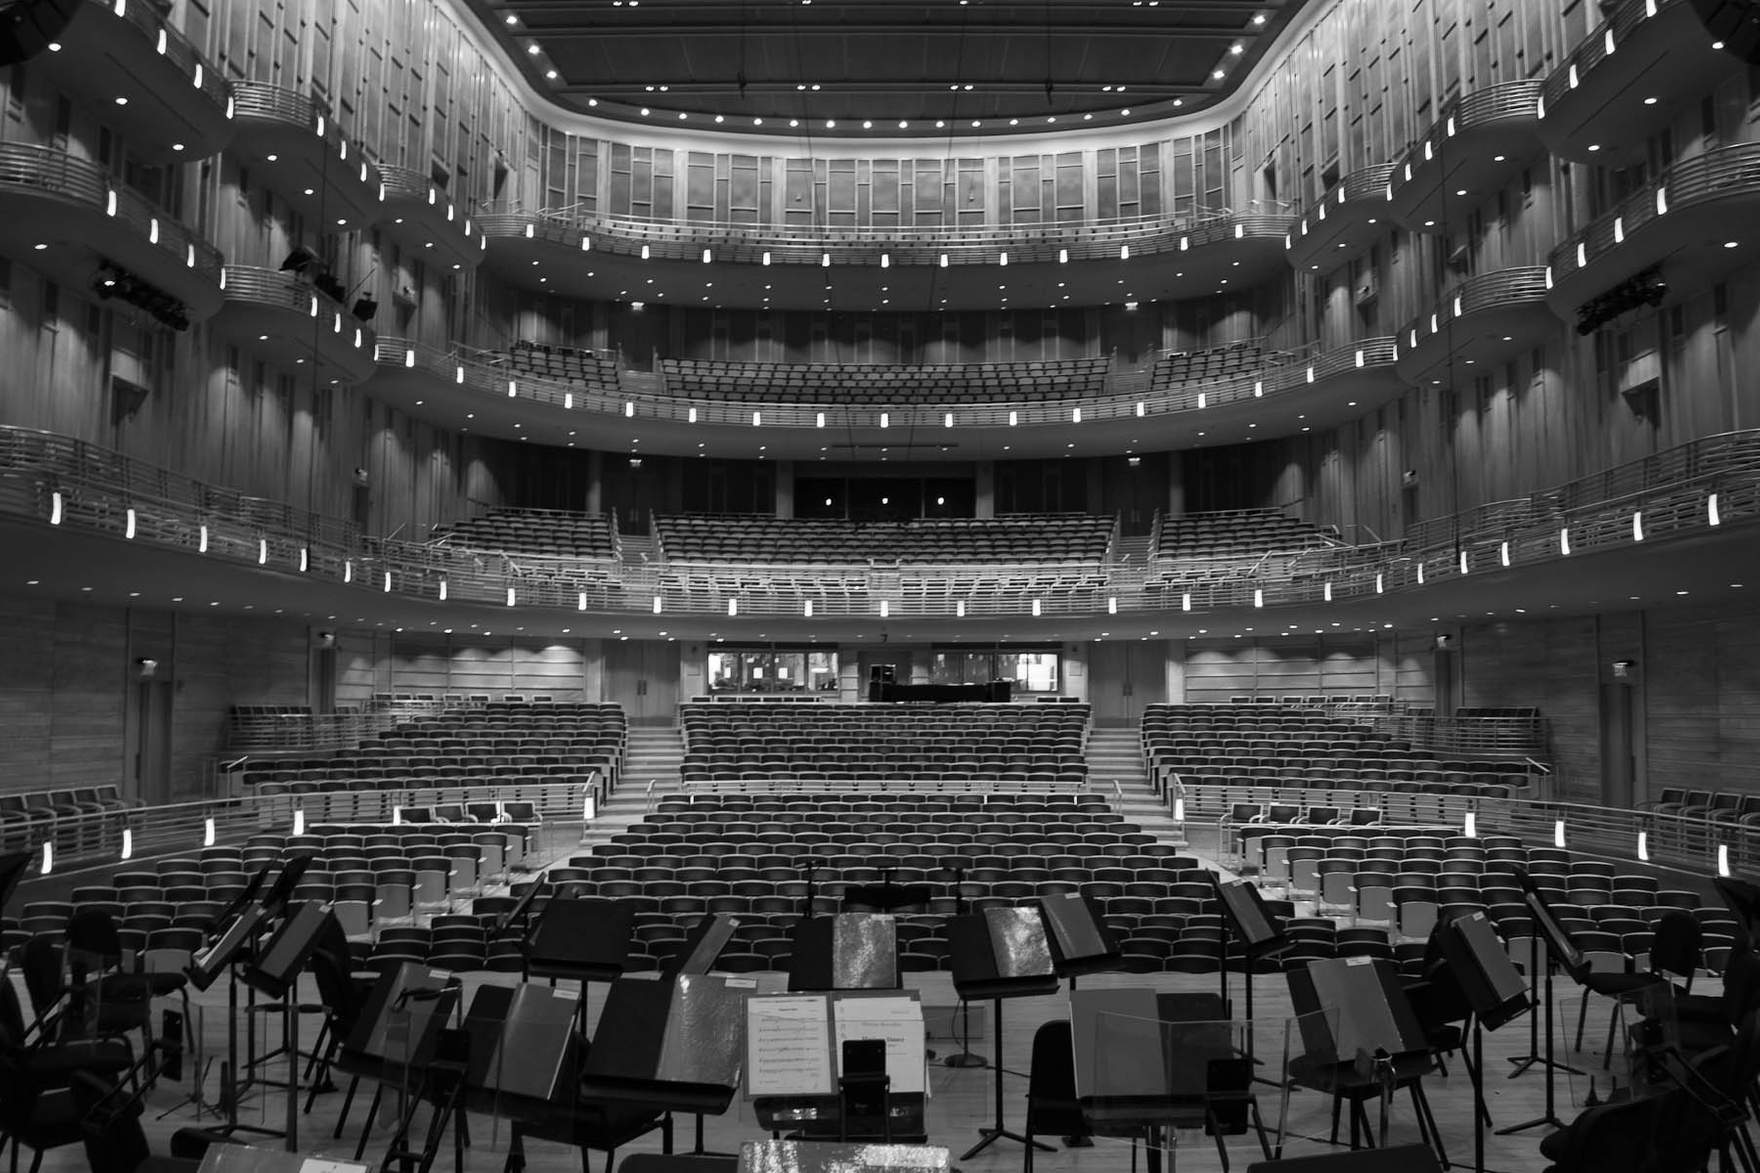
[
  {"x": 1032, "y": 670},
  {"x": 772, "y": 670}
]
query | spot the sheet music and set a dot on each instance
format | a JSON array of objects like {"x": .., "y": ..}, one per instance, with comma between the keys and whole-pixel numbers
[
  {"x": 788, "y": 1046},
  {"x": 897, "y": 1021},
  {"x": 808, "y": 1156}
]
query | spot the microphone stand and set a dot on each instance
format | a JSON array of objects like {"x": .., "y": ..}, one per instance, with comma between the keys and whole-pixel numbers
[{"x": 964, "y": 1058}]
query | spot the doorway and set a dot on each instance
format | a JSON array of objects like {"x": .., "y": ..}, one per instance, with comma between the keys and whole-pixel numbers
[
  {"x": 642, "y": 676},
  {"x": 1123, "y": 678},
  {"x": 1618, "y": 765},
  {"x": 150, "y": 772}
]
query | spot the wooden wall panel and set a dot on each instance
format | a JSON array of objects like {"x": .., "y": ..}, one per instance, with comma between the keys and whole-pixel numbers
[
  {"x": 1554, "y": 667},
  {"x": 1354, "y": 664}
]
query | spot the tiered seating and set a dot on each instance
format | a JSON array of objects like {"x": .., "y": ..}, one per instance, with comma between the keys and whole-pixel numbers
[
  {"x": 1022, "y": 538},
  {"x": 752, "y": 741},
  {"x": 552, "y": 532},
  {"x": 1208, "y": 366},
  {"x": 1259, "y": 744},
  {"x": 563, "y": 363},
  {"x": 844, "y": 383},
  {"x": 742, "y": 854},
  {"x": 497, "y": 743},
  {"x": 1249, "y": 532},
  {"x": 27, "y": 816}
]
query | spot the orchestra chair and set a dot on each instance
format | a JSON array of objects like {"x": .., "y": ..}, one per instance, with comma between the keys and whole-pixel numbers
[{"x": 1052, "y": 1109}]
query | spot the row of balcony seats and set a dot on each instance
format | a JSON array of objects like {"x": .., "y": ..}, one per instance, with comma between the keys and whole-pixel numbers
[
  {"x": 563, "y": 363},
  {"x": 1234, "y": 532},
  {"x": 28, "y": 815},
  {"x": 886, "y": 385},
  {"x": 1721, "y": 807},
  {"x": 554, "y": 533},
  {"x": 1217, "y": 363},
  {"x": 1024, "y": 538}
]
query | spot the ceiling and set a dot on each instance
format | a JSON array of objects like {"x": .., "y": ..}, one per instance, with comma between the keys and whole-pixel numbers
[{"x": 855, "y": 67}]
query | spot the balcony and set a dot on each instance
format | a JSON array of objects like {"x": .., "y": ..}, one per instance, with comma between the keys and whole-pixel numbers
[
  {"x": 1478, "y": 143},
  {"x": 146, "y": 80},
  {"x": 479, "y": 391},
  {"x": 1347, "y": 220},
  {"x": 1483, "y": 319},
  {"x": 62, "y": 216},
  {"x": 296, "y": 149},
  {"x": 426, "y": 221},
  {"x": 1695, "y": 221},
  {"x": 284, "y": 321},
  {"x": 1626, "y": 81},
  {"x": 815, "y": 268}
]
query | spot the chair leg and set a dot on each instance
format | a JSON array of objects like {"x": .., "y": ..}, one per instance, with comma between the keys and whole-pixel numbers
[
  {"x": 1616, "y": 1014},
  {"x": 347, "y": 1103},
  {"x": 1582, "y": 1012}
]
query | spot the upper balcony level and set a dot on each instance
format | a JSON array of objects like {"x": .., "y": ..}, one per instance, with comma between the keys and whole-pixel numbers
[
  {"x": 1696, "y": 221},
  {"x": 427, "y": 221},
  {"x": 144, "y": 78},
  {"x": 288, "y": 322},
  {"x": 828, "y": 411},
  {"x": 1485, "y": 318},
  {"x": 1478, "y": 142},
  {"x": 1627, "y": 80},
  {"x": 299, "y": 151},
  {"x": 1345, "y": 221},
  {"x": 67, "y": 218},
  {"x": 815, "y": 268}
]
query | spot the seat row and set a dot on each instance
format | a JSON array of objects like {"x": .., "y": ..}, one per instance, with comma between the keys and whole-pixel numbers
[
  {"x": 551, "y": 532},
  {"x": 1024, "y": 539},
  {"x": 883, "y": 385}
]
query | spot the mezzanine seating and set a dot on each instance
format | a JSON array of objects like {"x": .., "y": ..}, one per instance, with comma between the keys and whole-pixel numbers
[
  {"x": 884, "y": 385},
  {"x": 1235, "y": 532},
  {"x": 1217, "y": 363},
  {"x": 554, "y": 533},
  {"x": 1021, "y": 538},
  {"x": 566, "y": 364},
  {"x": 746, "y": 741},
  {"x": 27, "y": 815}
]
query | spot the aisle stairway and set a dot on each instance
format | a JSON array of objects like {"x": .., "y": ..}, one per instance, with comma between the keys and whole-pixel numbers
[
  {"x": 1116, "y": 770},
  {"x": 652, "y": 754}
]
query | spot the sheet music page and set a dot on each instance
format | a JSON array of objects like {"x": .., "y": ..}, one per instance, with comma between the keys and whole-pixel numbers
[
  {"x": 788, "y": 1046},
  {"x": 897, "y": 1021}
]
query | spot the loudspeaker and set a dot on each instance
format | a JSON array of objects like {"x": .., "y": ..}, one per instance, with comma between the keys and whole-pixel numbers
[
  {"x": 27, "y": 27},
  {"x": 1735, "y": 24}
]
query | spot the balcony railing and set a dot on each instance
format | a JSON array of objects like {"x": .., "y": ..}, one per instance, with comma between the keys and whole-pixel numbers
[
  {"x": 1702, "y": 179},
  {"x": 1685, "y": 491},
  {"x": 286, "y": 291},
  {"x": 81, "y": 182},
  {"x": 1497, "y": 289},
  {"x": 270, "y": 103},
  {"x": 810, "y": 244},
  {"x": 1595, "y": 48},
  {"x": 171, "y": 44},
  {"x": 1507, "y": 101},
  {"x": 1366, "y": 184}
]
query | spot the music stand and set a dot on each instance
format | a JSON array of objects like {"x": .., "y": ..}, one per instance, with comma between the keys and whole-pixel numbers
[
  {"x": 1559, "y": 948},
  {"x": 582, "y": 938},
  {"x": 996, "y": 954},
  {"x": 1494, "y": 990},
  {"x": 1081, "y": 941},
  {"x": 885, "y": 896},
  {"x": 274, "y": 974},
  {"x": 702, "y": 946},
  {"x": 849, "y": 951},
  {"x": 522, "y": 908},
  {"x": 964, "y": 1057},
  {"x": 13, "y": 866},
  {"x": 1246, "y": 917}
]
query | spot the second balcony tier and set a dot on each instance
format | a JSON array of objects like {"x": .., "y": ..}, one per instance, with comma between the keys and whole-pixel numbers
[
  {"x": 65, "y": 217},
  {"x": 294, "y": 147},
  {"x": 285, "y": 321},
  {"x": 1349, "y": 218},
  {"x": 1482, "y": 320},
  {"x": 818, "y": 268},
  {"x": 1479, "y": 142}
]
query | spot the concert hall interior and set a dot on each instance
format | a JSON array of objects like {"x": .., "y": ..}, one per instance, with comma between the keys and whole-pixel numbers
[{"x": 686, "y": 584}]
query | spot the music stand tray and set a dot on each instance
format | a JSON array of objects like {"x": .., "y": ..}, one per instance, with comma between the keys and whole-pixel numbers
[{"x": 582, "y": 938}]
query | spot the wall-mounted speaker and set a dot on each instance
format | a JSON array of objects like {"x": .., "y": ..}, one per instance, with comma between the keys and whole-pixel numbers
[
  {"x": 27, "y": 27},
  {"x": 1734, "y": 24}
]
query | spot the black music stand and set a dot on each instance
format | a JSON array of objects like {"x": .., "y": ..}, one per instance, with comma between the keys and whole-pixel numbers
[
  {"x": 702, "y": 946},
  {"x": 521, "y": 912},
  {"x": 584, "y": 939},
  {"x": 1081, "y": 941},
  {"x": 885, "y": 896},
  {"x": 1246, "y": 917},
  {"x": 964, "y": 1056},
  {"x": 428, "y": 998},
  {"x": 849, "y": 951},
  {"x": 1493, "y": 988},
  {"x": 274, "y": 973},
  {"x": 13, "y": 866},
  {"x": 996, "y": 954},
  {"x": 1562, "y": 950}
]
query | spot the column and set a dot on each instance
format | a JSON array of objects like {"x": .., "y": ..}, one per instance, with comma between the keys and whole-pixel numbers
[
  {"x": 785, "y": 488},
  {"x": 1176, "y": 671},
  {"x": 1074, "y": 671},
  {"x": 985, "y": 489},
  {"x": 1176, "y": 485},
  {"x": 595, "y": 481}
]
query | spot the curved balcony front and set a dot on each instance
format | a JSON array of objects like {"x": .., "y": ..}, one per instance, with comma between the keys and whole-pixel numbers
[
  {"x": 62, "y": 215},
  {"x": 1482, "y": 320},
  {"x": 286, "y": 322},
  {"x": 145, "y": 78},
  {"x": 1478, "y": 143},
  {"x": 1626, "y": 81},
  {"x": 1344, "y": 223},
  {"x": 1695, "y": 222},
  {"x": 638, "y": 415},
  {"x": 426, "y": 221},
  {"x": 295, "y": 148},
  {"x": 814, "y": 268}
]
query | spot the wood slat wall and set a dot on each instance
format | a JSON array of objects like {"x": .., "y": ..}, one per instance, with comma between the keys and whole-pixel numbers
[
  {"x": 1217, "y": 670},
  {"x": 462, "y": 665},
  {"x": 1553, "y": 666}
]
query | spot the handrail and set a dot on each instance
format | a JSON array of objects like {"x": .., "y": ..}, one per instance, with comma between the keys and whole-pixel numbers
[
  {"x": 501, "y": 382},
  {"x": 1494, "y": 290},
  {"x": 255, "y": 99},
  {"x": 53, "y": 479},
  {"x": 1690, "y": 182},
  {"x": 171, "y": 44},
  {"x": 263, "y": 286},
  {"x": 1595, "y": 48},
  {"x": 28, "y": 168},
  {"x": 1365, "y": 183}
]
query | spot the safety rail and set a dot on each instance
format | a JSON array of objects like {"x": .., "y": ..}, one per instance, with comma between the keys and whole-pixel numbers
[
  {"x": 497, "y": 380},
  {"x": 1463, "y": 736},
  {"x": 269, "y": 733},
  {"x": 1497, "y": 103},
  {"x": 752, "y": 244},
  {"x": 257, "y": 285},
  {"x": 1600, "y": 44},
  {"x": 1701, "y": 179},
  {"x": 56, "y": 480},
  {"x": 170, "y": 43},
  {"x": 272, "y": 103},
  {"x": 28, "y": 168},
  {"x": 1363, "y": 184},
  {"x": 1498, "y": 289}
]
